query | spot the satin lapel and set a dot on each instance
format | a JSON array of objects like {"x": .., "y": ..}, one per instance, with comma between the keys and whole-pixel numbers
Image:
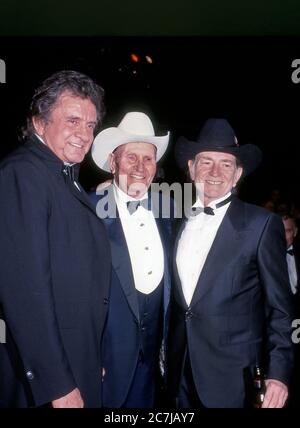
[
  {"x": 80, "y": 195},
  {"x": 50, "y": 161},
  {"x": 222, "y": 249},
  {"x": 121, "y": 262},
  {"x": 162, "y": 227},
  {"x": 159, "y": 208},
  {"x": 297, "y": 263},
  {"x": 175, "y": 270}
]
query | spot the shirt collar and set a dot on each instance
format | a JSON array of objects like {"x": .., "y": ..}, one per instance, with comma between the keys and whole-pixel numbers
[
  {"x": 122, "y": 197},
  {"x": 212, "y": 204},
  {"x": 40, "y": 138}
]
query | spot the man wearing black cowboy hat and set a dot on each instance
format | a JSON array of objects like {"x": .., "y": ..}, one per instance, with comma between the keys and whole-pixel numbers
[{"x": 231, "y": 303}]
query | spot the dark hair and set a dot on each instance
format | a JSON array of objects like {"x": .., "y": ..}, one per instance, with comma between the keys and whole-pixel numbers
[
  {"x": 238, "y": 163},
  {"x": 288, "y": 216},
  {"x": 47, "y": 94}
]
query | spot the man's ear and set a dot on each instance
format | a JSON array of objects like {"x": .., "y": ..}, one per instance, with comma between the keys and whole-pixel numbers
[
  {"x": 39, "y": 125},
  {"x": 112, "y": 163},
  {"x": 238, "y": 174},
  {"x": 191, "y": 169},
  {"x": 296, "y": 231}
]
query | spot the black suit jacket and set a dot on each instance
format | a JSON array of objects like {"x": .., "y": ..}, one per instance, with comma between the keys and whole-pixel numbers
[
  {"x": 54, "y": 282},
  {"x": 240, "y": 307}
]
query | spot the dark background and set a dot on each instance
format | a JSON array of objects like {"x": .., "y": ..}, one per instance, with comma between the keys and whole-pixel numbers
[
  {"x": 150, "y": 17},
  {"x": 210, "y": 59}
]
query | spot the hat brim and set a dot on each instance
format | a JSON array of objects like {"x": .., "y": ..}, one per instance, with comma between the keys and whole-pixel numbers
[
  {"x": 111, "y": 138},
  {"x": 249, "y": 155}
]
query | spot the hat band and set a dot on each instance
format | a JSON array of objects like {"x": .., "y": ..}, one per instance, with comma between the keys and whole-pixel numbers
[{"x": 224, "y": 147}]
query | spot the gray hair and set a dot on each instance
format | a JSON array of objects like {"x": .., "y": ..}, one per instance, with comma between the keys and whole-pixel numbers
[{"x": 47, "y": 94}]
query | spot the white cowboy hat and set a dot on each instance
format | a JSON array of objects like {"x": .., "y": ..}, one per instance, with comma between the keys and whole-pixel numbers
[{"x": 134, "y": 127}]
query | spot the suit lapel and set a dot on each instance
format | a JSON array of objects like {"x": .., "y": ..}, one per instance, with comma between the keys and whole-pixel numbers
[
  {"x": 222, "y": 249},
  {"x": 175, "y": 270},
  {"x": 164, "y": 229},
  {"x": 121, "y": 259},
  {"x": 80, "y": 195},
  {"x": 297, "y": 263},
  {"x": 50, "y": 161},
  {"x": 164, "y": 237}
]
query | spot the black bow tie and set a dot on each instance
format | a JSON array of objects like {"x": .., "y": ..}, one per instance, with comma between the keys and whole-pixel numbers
[
  {"x": 206, "y": 210},
  {"x": 290, "y": 252},
  {"x": 68, "y": 170},
  {"x": 132, "y": 206},
  {"x": 209, "y": 210}
]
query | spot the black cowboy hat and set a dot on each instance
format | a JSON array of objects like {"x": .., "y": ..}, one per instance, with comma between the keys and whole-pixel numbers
[{"x": 218, "y": 136}]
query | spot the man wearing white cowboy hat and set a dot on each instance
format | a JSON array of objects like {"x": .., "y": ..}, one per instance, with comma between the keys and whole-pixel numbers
[
  {"x": 140, "y": 284},
  {"x": 232, "y": 305}
]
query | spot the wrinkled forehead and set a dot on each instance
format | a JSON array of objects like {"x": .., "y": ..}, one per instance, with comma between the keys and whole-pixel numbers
[
  {"x": 136, "y": 148},
  {"x": 216, "y": 156},
  {"x": 69, "y": 102},
  {"x": 289, "y": 224}
]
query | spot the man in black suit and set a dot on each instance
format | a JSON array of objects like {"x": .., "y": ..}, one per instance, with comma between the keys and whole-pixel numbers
[
  {"x": 231, "y": 299},
  {"x": 139, "y": 239},
  {"x": 55, "y": 269}
]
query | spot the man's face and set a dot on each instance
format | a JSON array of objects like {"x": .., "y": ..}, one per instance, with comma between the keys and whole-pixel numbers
[
  {"x": 69, "y": 130},
  {"x": 134, "y": 167},
  {"x": 290, "y": 231},
  {"x": 214, "y": 174}
]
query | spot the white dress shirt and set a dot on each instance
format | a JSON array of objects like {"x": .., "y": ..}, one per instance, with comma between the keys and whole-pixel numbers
[
  {"x": 143, "y": 242},
  {"x": 194, "y": 245},
  {"x": 292, "y": 271}
]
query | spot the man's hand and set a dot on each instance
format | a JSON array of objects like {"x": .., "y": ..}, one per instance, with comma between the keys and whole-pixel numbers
[
  {"x": 71, "y": 400},
  {"x": 276, "y": 394}
]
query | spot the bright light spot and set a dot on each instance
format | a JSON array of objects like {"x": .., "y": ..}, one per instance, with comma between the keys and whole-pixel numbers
[
  {"x": 134, "y": 57},
  {"x": 149, "y": 59}
]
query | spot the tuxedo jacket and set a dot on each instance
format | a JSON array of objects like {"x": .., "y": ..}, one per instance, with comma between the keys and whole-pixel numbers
[
  {"x": 296, "y": 297},
  {"x": 121, "y": 345},
  {"x": 54, "y": 282},
  {"x": 240, "y": 313}
]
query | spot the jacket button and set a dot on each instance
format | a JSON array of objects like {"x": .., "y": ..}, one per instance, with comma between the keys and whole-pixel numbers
[
  {"x": 29, "y": 375},
  {"x": 105, "y": 300},
  {"x": 188, "y": 314}
]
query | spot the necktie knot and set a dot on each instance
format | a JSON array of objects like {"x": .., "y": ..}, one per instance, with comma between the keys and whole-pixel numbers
[
  {"x": 209, "y": 210},
  {"x": 68, "y": 171},
  {"x": 206, "y": 210},
  {"x": 132, "y": 206},
  {"x": 290, "y": 252}
]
